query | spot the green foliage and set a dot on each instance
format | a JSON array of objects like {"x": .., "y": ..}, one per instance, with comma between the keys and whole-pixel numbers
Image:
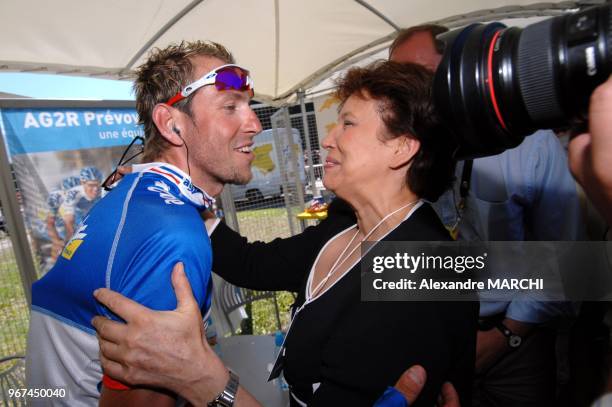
[
  {"x": 264, "y": 319},
  {"x": 265, "y": 224},
  {"x": 14, "y": 312}
]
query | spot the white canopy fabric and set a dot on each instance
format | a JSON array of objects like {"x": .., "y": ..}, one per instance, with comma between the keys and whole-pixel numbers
[{"x": 287, "y": 44}]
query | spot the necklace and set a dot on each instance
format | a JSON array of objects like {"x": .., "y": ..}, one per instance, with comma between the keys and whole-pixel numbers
[{"x": 342, "y": 257}]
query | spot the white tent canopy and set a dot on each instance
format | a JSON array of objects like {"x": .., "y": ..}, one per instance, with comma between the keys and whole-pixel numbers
[{"x": 287, "y": 44}]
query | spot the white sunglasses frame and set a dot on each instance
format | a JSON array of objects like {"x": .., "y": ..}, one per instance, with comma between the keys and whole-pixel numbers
[{"x": 209, "y": 79}]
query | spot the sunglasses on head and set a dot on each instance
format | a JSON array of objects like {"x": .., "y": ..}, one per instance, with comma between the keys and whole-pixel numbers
[{"x": 225, "y": 77}]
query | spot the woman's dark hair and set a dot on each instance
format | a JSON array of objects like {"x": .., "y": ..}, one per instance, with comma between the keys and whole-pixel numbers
[{"x": 405, "y": 104}]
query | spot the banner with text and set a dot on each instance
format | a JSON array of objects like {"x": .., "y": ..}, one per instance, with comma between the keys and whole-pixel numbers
[{"x": 60, "y": 156}]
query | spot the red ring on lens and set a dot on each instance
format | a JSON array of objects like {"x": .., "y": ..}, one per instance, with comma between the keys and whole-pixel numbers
[{"x": 490, "y": 81}]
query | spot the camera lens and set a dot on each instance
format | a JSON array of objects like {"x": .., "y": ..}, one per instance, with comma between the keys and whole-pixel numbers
[{"x": 496, "y": 85}]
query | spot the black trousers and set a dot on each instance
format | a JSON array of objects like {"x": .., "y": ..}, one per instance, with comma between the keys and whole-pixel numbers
[{"x": 523, "y": 377}]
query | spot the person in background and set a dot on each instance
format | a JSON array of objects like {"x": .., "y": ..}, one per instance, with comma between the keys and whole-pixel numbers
[
  {"x": 526, "y": 193},
  {"x": 55, "y": 223},
  {"x": 590, "y": 158},
  {"x": 590, "y": 153},
  {"x": 81, "y": 198}
]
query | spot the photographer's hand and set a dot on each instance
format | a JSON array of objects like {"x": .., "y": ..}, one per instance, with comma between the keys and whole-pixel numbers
[{"x": 590, "y": 154}]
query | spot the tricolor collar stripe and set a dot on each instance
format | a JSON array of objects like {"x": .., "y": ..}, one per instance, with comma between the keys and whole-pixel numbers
[
  {"x": 170, "y": 170},
  {"x": 168, "y": 175},
  {"x": 175, "y": 175}
]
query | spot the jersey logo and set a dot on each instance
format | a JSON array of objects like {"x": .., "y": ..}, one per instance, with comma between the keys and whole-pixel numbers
[
  {"x": 164, "y": 192},
  {"x": 75, "y": 241}
]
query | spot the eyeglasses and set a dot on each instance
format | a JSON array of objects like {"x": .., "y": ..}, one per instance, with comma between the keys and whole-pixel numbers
[
  {"x": 225, "y": 77},
  {"x": 110, "y": 180}
]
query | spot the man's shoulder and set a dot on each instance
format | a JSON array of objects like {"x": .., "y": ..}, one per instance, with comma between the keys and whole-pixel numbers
[
  {"x": 543, "y": 142},
  {"x": 157, "y": 191},
  {"x": 152, "y": 197},
  {"x": 157, "y": 208},
  {"x": 141, "y": 208}
]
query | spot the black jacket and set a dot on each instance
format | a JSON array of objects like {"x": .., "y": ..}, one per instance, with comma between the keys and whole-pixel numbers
[{"x": 355, "y": 349}]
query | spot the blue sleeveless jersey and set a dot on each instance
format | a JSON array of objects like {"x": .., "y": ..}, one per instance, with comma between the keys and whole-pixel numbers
[{"x": 129, "y": 243}]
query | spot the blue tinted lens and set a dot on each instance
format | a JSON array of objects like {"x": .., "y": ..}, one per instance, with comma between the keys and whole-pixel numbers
[{"x": 230, "y": 79}]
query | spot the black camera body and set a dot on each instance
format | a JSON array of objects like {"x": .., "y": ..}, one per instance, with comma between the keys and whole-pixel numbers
[{"x": 495, "y": 85}]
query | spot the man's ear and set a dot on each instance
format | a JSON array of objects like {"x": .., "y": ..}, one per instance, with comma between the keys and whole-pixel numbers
[
  {"x": 405, "y": 149},
  {"x": 164, "y": 118}
]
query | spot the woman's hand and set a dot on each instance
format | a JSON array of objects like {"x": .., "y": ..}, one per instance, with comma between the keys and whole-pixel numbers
[
  {"x": 117, "y": 175},
  {"x": 121, "y": 171},
  {"x": 161, "y": 349}
]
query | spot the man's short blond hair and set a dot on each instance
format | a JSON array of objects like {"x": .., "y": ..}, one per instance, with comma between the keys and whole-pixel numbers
[{"x": 162, "y": 76}]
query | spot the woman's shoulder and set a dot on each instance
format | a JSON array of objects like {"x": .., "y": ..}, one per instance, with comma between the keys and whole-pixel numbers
[{"x": 423, "y": 225}]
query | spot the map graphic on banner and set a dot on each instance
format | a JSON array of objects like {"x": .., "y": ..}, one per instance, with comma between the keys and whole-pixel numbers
[
  {"x": 326, "y": 110},
  {"x": 60, "y": 157}
]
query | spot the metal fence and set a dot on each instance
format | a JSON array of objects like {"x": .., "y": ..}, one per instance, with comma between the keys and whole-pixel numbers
[
  {"x": 260, "y": 213},
  {"x": 14, "y": 313},
  {"x": 14, "y": 299}
]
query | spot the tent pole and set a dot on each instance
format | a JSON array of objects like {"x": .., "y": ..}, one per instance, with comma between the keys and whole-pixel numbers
[{"x": 311, "y": 175}]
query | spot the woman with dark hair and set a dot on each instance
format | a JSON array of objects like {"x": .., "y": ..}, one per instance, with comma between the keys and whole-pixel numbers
[{"x": 387, "y": 156}]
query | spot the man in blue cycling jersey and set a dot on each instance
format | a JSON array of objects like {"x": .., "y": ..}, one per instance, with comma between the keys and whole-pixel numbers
[{"x": 194, "y": 105}]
